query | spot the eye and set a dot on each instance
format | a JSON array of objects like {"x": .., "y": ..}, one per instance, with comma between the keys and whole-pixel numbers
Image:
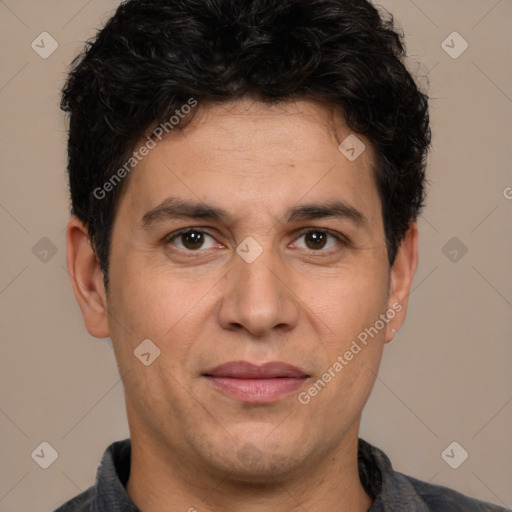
[
  {"x": 191, "y": 240},
  {"x": 318, "y": 240}
]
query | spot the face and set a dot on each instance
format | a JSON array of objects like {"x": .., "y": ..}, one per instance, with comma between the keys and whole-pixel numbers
[{"x": 251, "y": 252}]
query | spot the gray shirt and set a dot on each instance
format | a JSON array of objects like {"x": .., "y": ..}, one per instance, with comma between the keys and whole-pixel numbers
[{"x": 392, "y": 491}]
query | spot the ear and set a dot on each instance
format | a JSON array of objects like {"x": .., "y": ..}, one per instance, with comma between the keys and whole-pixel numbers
[
  {"x": 402, "y": 274},
  {"x": 86, "y": 278}
]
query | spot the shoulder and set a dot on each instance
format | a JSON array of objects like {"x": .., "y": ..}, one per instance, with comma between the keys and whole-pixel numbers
[
  {"x": 109, "y": 492},
  {"x": 442, "y": 499},
  {"x": 80, "y": 503},
  {"x": 395, "y": 491}
]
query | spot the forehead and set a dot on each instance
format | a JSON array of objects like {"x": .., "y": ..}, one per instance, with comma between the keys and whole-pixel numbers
[{"x": 251, "y": 157}]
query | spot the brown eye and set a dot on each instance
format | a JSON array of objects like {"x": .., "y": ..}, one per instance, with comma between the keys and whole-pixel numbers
[
  {"x": 315, "y": 240},
  {"x": 192, "y": 240},
  {"x": 318, "y": 240}
]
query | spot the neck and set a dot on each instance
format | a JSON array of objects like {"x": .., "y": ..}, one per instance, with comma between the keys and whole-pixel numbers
[{"x": 162, "y": 481}]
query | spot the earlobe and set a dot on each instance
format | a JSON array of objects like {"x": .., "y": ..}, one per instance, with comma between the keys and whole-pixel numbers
[
  {"x": 402, "y": 274},
  {"x": 86, "y": 278}
]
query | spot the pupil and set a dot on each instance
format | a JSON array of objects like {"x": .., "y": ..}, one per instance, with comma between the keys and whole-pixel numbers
[
  {"x": 192, "y": 240},
  {"x": 316, "y": 240}
]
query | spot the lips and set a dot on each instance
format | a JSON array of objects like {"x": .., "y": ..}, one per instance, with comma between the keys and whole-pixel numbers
[{"x": 253, "y": 383}]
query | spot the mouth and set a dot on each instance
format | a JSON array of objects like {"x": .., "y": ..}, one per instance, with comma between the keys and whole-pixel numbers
[{"x": 253, "y": 383}]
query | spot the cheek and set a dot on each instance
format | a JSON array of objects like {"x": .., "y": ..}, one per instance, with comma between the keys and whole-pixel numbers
[
  {"x": 167, "y": 310},
  {"x": 350, "y": 362},
  {"x": 347, "y": 301},
  {"x": 168, "y": 307},
  {"x": 350, "y": 305}
]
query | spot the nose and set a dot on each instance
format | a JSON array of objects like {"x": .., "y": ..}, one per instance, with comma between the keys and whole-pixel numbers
[{"x": 257, "y": 298}]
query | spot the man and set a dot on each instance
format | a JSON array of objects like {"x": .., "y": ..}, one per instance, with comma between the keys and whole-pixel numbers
[{"x": 245, "y": 181}]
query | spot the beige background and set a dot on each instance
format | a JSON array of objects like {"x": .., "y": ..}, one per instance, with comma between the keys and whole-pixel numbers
[{"x": 446, "y": 377}]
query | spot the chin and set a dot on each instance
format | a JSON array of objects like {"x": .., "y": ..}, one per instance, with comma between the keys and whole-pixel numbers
[
  {"x": 259, "y": 462},
  {"x": 268, "y": 469}
]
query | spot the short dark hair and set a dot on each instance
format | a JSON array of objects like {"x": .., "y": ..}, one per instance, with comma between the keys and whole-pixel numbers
[{"x": 153, "y": 56}]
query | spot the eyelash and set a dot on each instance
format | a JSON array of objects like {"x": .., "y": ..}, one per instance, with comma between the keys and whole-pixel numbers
[{"x": 341, "y": 239}]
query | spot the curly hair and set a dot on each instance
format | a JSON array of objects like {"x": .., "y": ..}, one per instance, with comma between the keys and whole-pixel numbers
[{"x": 152, "y": 56}]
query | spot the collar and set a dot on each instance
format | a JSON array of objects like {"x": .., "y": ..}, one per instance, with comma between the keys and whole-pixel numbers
[{"x": 389, "y": 489}]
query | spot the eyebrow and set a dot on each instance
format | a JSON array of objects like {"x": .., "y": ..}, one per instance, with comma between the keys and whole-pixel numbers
[
  {"x": 175, "y": 208},
  {"x": 334, "y": 209}
]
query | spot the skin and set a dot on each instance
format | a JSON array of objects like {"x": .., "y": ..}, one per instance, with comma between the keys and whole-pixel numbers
[{"x": 295, "y": 304}]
